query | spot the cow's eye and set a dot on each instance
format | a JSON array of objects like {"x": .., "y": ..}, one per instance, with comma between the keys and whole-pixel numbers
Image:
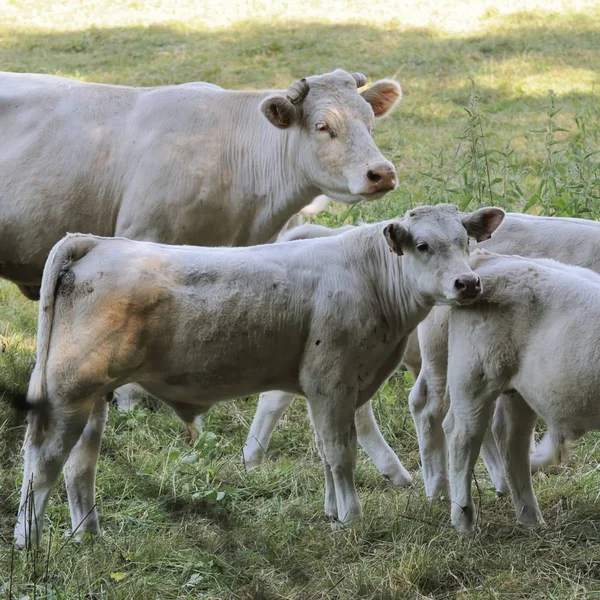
[
  {"x": 323, "y": 127},
  {"x": 422, "y": 247}
]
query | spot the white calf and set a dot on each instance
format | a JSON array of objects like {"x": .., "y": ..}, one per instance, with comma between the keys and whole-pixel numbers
[
  {"x": 326, "y": 318},
  {"x": 272, "y": 405},
  {"x": 573, "y": 241},
  {"x": 532, "y": 337}
]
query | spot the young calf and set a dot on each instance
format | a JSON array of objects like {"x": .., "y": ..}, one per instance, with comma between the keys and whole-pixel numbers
[
  {"x": 573, "y": 241},
  {"x": 326, "y": 318},
  {"x": 272, "y": 404},
  {"x": 532, "y": 337}
]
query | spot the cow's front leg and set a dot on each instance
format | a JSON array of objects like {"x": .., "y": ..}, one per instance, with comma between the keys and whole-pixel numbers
[
  {"x": 378, "y": 450},
  {"x": 464, "y": 426},
  {"x": 333, "y": 419},
  {"x": 270, "y": 408},
  {"x": 513, "y": 426},
  {"x": 80, "y": 473}
]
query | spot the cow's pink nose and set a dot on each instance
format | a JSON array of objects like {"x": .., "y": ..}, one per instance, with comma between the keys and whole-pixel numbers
[{"x": 382, "y": 178}]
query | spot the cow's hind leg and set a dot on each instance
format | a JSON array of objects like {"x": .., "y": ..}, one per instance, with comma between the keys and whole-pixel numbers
[
  {"x": 270, "y": 408},
  {"x": 513, "y": 426},
  {"x": 378, "y": 450},
  {"x": 51, "y": 434},
  {"x": 80, "y": 473}
]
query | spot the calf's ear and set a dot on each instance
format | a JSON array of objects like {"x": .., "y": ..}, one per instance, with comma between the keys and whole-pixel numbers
[
  {"x": 383, "y": 96},
  {"x": 396, "y": 236},
  {"x": 483, "y": 222},
  {"x": 279, "y": 110}
]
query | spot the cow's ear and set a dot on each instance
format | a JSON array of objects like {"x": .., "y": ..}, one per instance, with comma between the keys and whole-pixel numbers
[
  {"x": 483, "y": 222},
  {"x": 397, "y": 237},
  {"x": 383, "y": 96},
  {"x": 279, "y": 110}
]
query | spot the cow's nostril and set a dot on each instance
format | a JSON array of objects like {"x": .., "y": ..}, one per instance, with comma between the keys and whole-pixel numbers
[
  {"x": 460, "y": 285},
  {"x": 373, "y": 176}
]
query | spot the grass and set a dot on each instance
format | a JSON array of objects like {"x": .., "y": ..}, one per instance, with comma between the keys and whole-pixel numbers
[{"x": 477, "y": 125}]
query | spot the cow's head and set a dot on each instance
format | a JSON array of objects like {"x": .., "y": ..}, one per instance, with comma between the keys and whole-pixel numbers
[
  {"x": 332, "y": 124},
  {"x": 433, "y": 243}
]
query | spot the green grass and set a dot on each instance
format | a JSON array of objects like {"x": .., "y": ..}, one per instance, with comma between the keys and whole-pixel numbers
[{"x": 477, "y": 125}]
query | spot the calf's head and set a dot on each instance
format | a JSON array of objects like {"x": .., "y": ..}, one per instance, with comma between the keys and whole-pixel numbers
[
  {"x": 332, "y": 125},
  {"x": 433, "y": 243}
]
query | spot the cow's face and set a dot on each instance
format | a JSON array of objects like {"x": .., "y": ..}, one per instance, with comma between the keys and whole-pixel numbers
[
  {"x": 332, "y": 125},
  {"x": 433, "y": 242}
]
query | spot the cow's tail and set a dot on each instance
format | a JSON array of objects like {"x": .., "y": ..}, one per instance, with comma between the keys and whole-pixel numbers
[{"x": 70, "y": 249}]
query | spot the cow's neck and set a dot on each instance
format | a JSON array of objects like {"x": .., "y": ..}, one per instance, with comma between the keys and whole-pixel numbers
[
  {"x": 401, "y": 305},
  {"x": 268, "y": 177}
]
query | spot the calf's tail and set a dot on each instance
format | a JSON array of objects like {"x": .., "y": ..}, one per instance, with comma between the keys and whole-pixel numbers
[{"x": 71, "y": 248}]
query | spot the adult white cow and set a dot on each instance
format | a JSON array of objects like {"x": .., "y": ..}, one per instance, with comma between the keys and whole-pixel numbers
[
  {"x": 532, "y": 336},
  {"x": 327, "y": 318},
  {"x": 182, "y": 164},
  {"x": 569, "y": 240}
]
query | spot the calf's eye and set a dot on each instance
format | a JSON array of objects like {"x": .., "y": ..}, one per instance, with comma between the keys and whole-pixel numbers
[{"x": 422, "y": 247}]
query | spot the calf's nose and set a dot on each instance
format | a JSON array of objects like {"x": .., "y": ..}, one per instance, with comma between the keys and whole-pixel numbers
[
  {"x": 468, "y": 286},
  {"x": 382, "y": 177}
]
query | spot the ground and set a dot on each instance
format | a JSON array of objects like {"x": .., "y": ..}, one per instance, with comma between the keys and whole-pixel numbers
[{"x": 477, "y": 125}]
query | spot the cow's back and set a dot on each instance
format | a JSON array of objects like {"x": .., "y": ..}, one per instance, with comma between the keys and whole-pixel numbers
[
  {"x": 60, "y": 165},
  {"x": 571, "y": 241}
]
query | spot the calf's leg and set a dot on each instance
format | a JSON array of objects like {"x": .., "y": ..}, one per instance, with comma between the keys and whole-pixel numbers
[
  {"x": 513, "y": 426},
  {"x": 493, "y": 462},
  {"x": 428, "y": 409},
  {"x": 333, "y": 419},
  {"x": 51, "y": 434},
  {"x": 270, "y": 408},
  {"x": 465, "y": 426},
  {"x": 378, "y": 450},
  {"x": 80, "y": 472}
]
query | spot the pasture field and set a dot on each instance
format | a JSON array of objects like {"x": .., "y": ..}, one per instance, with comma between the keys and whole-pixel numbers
[{"x": 477, "y": 125}]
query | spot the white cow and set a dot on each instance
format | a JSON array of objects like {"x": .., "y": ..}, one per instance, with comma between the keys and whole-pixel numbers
[
  {"x": 532, "y": 337},
  {"x": 326, "y": 318},
  {"x": 570, "y": 240},
  {"x": 181, "y": 164}
]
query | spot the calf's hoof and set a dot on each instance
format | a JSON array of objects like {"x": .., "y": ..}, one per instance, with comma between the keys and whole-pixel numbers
[
  {"x": 530, "y": 517},
  {"x": 436, "y": 488},
  {"x": 463, "y": 519},
  {"x": 253, "y": 458},
  {"x": 26, "y": 537},
  {"x": 399, "y": 477}
]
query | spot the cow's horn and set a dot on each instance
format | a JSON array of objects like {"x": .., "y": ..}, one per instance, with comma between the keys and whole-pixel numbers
[
  {"x": 297, "y": 91},
  {"x": 360, "y": 79}
]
